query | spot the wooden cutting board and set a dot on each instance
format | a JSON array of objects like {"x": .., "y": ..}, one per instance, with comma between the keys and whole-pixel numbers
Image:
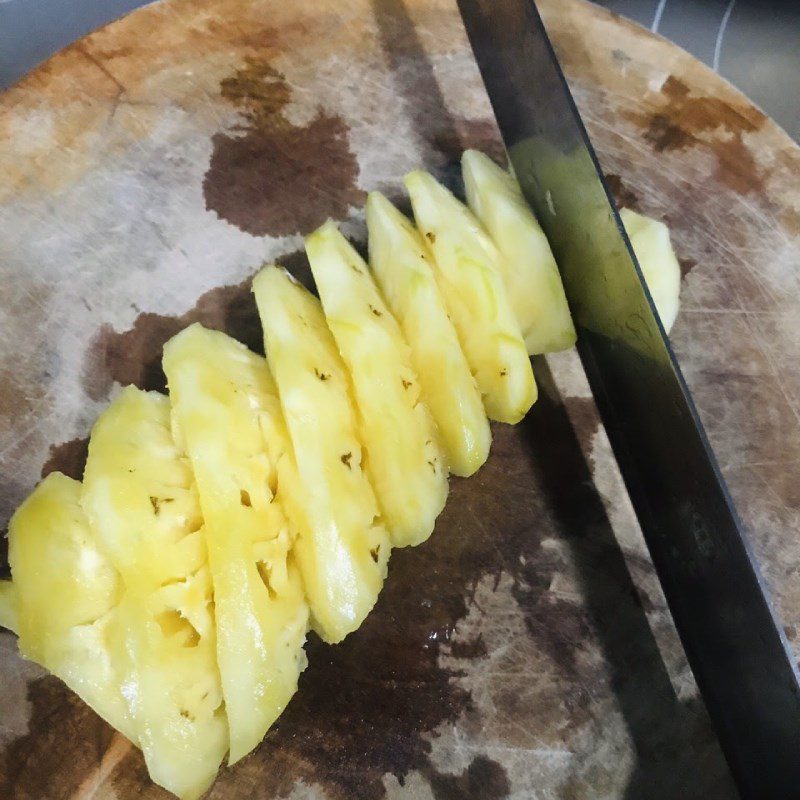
[{"x": 145, "y": 174}]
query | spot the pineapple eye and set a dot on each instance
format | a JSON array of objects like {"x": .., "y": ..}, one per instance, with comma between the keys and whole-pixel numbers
[
  {"x": 172, "y": 624},
  {"x": 244, "y": 498},
  {"x": 264, "y": 572}
]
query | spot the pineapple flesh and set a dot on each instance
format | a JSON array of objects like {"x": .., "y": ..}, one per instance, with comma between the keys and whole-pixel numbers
[
  {"x": 8, "y": 606},
  {"x": 219, "y": 390},
  {"x": 402, "y": 266},
  {"x": 404, "y": 460},
  {"x": 342, "y": 546},
  {"x": 66, "y": 594},
  {"x": 141, "y": 503},
  {"x": 527, "y": 264},
  {"x": 662, "y": 272},
  {"x": 469, "y": 276}
]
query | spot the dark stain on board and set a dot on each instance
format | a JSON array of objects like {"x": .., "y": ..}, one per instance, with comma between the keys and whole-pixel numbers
[
  {"x": 134, "y": 356},
  {"x": 66, "y": 743},
  {"x": 483, "y": 779},
  {"x": 67, "y": 457},
  {"x": 585, "y": 418},
  {"x": 623, "y": 195},
  {"x": 686, "y": 265},
  {"x": 478, "y": 134},
  {"x": 270, "y": 177},
  {"x": 687, "y": 120}
]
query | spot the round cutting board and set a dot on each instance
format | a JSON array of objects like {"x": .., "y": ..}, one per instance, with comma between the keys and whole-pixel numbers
[{"x": 525, "y": 651}]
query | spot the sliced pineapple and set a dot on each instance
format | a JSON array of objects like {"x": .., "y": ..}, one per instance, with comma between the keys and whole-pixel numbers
[
  {"x": 662, "y": 272},
  {"x": 8, "y": 606},
  {"x": 402, "y": 266},
  {"x": 342, "y": 545},
  {"x": 66, "y": 595},
  {"x": 219, "y": 390},
  {"x": 141, "y": 502},
  {"x": 528, "y": 267},
  {"x": 470, "y": 280},
  {"x": 404, "y": 459}
]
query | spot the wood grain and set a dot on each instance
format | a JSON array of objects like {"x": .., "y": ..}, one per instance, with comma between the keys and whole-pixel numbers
[{"x": 525, "y": 650}]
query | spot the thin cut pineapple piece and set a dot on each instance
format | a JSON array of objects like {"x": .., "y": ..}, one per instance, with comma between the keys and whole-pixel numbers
[
  {"x": 404, "y": 459},
  {"x": 660, "y": 268},
  {"x": 8, "y": 606},
  {"x": 66, "y": 596},
  {"x": 141, "y": 502},
  {"x": 527, "y": 266},
  {"x": 342, "y": 545},
  {"x": 219, "y": 389},
  {"x": 402, "y": 266},
  {"x": 469, "y": 278}
]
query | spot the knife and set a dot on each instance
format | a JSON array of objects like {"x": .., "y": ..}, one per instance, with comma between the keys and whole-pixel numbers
[{"x": 716, "y": 595}]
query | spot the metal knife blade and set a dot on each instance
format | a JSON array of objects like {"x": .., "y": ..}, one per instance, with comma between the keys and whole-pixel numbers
[{"x": 731, "y": 635}]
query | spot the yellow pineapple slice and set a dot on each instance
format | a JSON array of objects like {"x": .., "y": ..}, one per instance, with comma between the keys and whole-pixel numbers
[
  {"x": 402, "y": 266},
  {"x": 66, "y": 593},
  {"x": 404, "y": 460},
  {"x": 527, "y": 264},
  {"x": 342, "y": 545},
  {"x": 142, "y": 506},
  {"x": 662, "y": 272},
  {"x": 470, "y": 280},
  {"x": 219, "y": 390},
  {"x": 8, "y": 606}
]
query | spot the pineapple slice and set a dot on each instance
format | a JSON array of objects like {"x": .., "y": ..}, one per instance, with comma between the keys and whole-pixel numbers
[
  {"x": 142, "y": 506},
  {"x": 404, "y": 459},
  {"x": 8, "y": 606},
  {"x": 342, "y": 546},
  {"x": 66, "y": 594},
  {"x": 219, "y": 390},
  {"x": 402, "y": 267},
  {"x": 469, "y": 277},
  {"x": 528, "y": 267},
  {"x": 660, "y": 268}
]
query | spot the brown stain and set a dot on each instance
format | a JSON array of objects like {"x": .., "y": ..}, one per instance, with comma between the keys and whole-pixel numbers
[
  {"x": 270, "y": 177},
  {"x": 478, "y": 134},
  {"x": 790, "y": 219},
  {"x": 133, "y": 356},
  {"x": 67, "y": 741},
  {"x": 483, "y": 779},
  {"x": 67, "y": 457},
  {"x": 585, "y": 419},
  {"x": 688, "y": 120},
  {"x": 686, "y": 265},
  {"x": 623, "y": 195}
]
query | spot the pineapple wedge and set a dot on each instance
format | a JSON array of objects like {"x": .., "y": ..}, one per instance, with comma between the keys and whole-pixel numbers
[
  {"x": 66, "y": 595},
  {"x": 8, "y": 606},
  {"x": 403, "y": 456},
  {"x": 402, "y": 266},
  {"x": 219, "y": 389},
  {"x": 660, "y": 268},
  {"x": 142, "y": 506},
  {"x": 528, "y": 267},
  {"x": 469, "y": 277},
  {"x": 342, "y": 545}
]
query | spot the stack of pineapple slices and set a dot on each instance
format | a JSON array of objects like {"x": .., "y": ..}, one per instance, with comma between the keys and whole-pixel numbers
[{"x": 173, "y": 588}]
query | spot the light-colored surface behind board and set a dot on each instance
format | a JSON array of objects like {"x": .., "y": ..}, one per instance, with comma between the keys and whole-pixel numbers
[{"x": 147, "y": 172}]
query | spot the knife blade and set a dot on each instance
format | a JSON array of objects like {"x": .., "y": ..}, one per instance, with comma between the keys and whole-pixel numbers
[{"x": 731, "y": 635}]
